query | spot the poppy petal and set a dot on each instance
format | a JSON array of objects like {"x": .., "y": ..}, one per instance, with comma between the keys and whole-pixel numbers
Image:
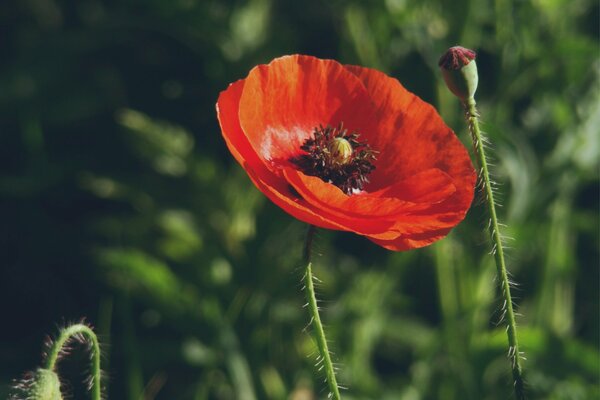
[
  {"x": 227, "y": 114},
  {"x": 412, "y": 137},
  {"x": 405, "y": 243},
  {"x": 282, "y": 195},
  {"x": 272, "y": 186},
  {"x": 423, "y": 182},
  {"x": 410, "y": 195},
  {"x": 399, "y": 217},
  {"x": 283, "y": 102}
]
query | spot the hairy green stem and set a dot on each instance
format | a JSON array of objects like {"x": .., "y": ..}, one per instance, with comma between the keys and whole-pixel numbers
[
  {"x": 508, "y": 311},
  {"x": 316, "y": 320},
  {"x": 65, "y": 335}
]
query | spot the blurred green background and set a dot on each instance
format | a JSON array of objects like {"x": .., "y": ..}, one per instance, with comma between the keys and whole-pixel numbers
[{"x": 121, "y": 203}]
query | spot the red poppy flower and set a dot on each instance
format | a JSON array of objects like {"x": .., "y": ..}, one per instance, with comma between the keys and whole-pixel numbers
[{"x": 348, "y": 148}]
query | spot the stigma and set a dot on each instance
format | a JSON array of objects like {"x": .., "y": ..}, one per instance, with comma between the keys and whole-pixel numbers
[{"x": 337, "y": 157}]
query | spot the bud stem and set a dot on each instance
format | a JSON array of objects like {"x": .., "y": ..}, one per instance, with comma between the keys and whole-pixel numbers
[
  {"x": 316, "y": 320},
  {"x": 513, "y": 349},
  {"x": 65, "y": 335}
]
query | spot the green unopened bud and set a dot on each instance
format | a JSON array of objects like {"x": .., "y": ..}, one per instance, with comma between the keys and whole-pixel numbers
[
  {"x": 460, "y": 72},
  {"x": 340, "y": 150},
  {"x": 46, "y": 386},
  {"x": 42, "y": 384}
]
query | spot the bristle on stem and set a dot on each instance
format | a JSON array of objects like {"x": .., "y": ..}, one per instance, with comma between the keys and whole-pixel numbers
[
  {"x": 324, "y": 360},
  {"x": 508, "y": 313},
  {"x": 61, "y": 347}
]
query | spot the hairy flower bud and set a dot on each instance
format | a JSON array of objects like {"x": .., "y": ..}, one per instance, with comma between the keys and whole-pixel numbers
[
  {"x": 46, "y": 386},
  {"x": 460, "y": 72},
  {"x": 43, "y": 384}
]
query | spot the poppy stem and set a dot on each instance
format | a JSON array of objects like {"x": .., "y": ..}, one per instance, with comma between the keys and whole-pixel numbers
[
  {"x": 79, "y": 331},
  {"x": 325, "y": 357},
  {"x": 508, "y": 311}
]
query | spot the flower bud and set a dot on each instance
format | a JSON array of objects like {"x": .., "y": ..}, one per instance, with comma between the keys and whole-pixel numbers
[
  {"x": 340, "y": 150},
  {"x": 43, "y": 384},
  {"x": 460, "y": 72},
  {"x": 47, "y": 385}
]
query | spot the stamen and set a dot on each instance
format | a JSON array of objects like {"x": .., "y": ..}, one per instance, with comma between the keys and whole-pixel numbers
[{"x": 337, "y": 157}]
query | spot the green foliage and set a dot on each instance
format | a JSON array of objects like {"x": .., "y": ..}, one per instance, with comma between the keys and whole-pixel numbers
[{"x": 122, "y": 203}]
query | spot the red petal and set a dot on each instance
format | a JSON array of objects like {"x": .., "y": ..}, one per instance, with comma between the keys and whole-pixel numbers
[
  {"x": 430, "y": 186},
  {"x": 227, "y": 113},
  {"x": 281, "y": 195},
  {"x": 410, "y": 242},
  {"x": 384, "y": 218},
  {"x": 423, "y": 183},
  {"x": 283, "y": 102},
  {"x": 273, "y": 186},
  {"x": 414, "y": 194},
  {"x": 277, "y": 191},
  {"x": 411, "y": 137}
]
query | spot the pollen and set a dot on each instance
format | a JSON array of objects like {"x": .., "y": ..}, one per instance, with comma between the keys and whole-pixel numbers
[{"x": 337, "y": 156}]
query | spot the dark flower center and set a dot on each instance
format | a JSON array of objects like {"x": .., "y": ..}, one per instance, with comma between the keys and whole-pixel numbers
[{"x": 337, "y": 157}]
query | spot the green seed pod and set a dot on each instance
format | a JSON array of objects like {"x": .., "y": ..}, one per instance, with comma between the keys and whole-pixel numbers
[
  {"x": 341, "y": 150},
  {"x": 460, "y": 72}
]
